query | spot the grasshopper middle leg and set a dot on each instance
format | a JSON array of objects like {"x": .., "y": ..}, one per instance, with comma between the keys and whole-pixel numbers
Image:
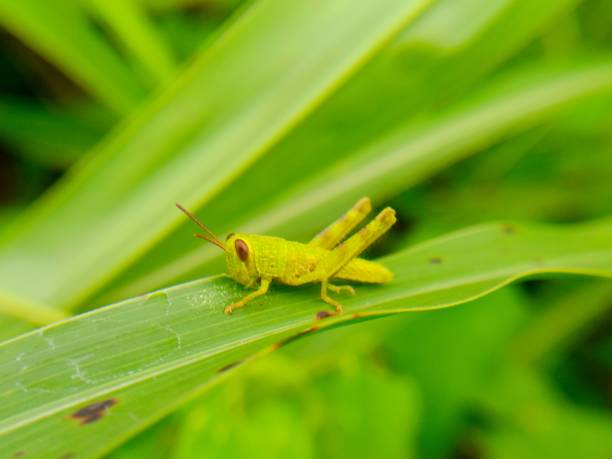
[{"x": 328, "y": 299}]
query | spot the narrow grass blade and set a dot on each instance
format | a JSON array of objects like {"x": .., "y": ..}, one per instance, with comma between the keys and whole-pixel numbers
[{"x": 62, "y": 34}]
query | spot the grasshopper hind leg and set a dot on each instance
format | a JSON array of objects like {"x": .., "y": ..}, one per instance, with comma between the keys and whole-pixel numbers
[
  {"x": 351, "y": 248},
  {"x": 334, "y": 233}
]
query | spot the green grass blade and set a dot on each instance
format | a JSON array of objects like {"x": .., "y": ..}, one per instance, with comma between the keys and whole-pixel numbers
[
  {"x": 225, "y": 111},
  {"x": 562, "y": 324},
  {"x": 61, "y": 33},
  {"x": 24, "y": 309},
  {"x": 50, "y": 136},
  {"x": 111, "y": 372},
  {"x": 136, "y": 32},
  {"x": 451, "y": 25}
]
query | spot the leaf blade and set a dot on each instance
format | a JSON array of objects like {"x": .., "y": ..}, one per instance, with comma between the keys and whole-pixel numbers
[
  {"x": 149, "y": 353},
  {"x": 60, "y": 32}
]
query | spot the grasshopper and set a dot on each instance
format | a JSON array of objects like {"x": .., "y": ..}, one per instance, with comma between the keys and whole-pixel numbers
[{"x": 255, "y": 261}]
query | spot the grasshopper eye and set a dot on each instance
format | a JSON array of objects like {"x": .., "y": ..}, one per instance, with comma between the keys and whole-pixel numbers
[{"x": 242, "y": 249}]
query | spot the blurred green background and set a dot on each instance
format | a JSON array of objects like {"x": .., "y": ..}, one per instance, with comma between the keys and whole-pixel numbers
[{"x": 494, "y": 109}]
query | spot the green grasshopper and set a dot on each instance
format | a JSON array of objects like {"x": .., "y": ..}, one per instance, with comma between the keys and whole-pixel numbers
[{"x": 255, "y": 260}]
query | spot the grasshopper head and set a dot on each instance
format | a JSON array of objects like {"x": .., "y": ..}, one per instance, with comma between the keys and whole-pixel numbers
[
  {"x": 238, "y": 253},
  {"x": 239, "y": 259}
]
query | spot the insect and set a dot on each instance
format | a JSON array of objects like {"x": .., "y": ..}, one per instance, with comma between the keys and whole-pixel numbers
[{"x": 255, "y": 261}]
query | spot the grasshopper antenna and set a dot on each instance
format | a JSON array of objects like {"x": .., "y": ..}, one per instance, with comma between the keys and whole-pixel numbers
[{"x": 209, "y": 236}]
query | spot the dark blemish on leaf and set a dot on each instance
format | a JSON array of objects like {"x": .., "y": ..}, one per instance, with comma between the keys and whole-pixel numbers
[
  {"x": 19, "y": 454},
  {"x": 229, "y": 366},
  {"x": 67, "y": 456},
  {"x": 435, "y": 260},
  {"x": 323, "y": 315},
  {"x": 508, "y": 228},
  {"x": 95, "y": 411}
]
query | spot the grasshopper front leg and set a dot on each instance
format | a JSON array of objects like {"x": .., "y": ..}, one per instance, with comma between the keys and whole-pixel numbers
[{"x": 263, "y": 288}]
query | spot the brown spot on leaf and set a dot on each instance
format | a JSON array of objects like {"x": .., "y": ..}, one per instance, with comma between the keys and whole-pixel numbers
[
  {"x": 95, "y": 411},
  {"x": 508, "y": 228},
  {"x": 435, "y": 260},
  {"x": 229, "y": 366},
  {"x": 19, "y": 453},
  {"x": 67, "y": 456},
  {"x": 323, "y": 315}
]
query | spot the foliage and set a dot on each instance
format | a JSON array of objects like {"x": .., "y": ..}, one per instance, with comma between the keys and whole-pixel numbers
[{"x": 274, "y": 117}]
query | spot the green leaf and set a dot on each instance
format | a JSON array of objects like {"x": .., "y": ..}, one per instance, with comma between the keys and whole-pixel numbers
[
  {"x": 531, "y": 419},
  {"x": 61, "y": 33},
  {"x": 111, "y": 372},
  {"x": 384, "y": 425},
  {"x": 273, "y": 430},
  {"x": 130, "y": 24},
  {"x": 475, "y": 349},
  {"x": 561, "y": 324},
  {"x": 50, "y": 136},
  {"x": 25, "y": 309},
  {"x": 450, "y": 24},
  {"x": 223, "y": 113}
]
